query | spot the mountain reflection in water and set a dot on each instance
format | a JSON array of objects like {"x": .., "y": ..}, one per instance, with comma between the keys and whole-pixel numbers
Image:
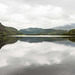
[
  {"x": 37, "y": 56},
  {"x": 11, "y": 40}
]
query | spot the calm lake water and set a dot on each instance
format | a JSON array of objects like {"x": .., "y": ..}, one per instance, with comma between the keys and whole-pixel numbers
[{"x": 37, "y": 56}]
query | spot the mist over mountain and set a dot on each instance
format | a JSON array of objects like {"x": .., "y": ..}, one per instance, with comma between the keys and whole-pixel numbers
[
  {"x": 66, "y": 27},
  {"x": 56, "y": 30}
]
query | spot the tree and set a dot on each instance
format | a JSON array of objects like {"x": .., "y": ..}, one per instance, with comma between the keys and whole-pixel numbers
[{"x": 72, "y": 32}]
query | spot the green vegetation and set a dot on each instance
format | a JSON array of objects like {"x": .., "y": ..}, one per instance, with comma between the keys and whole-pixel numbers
[
  {"x": 8, "y": 30},
  {"x": 53, "y": 32},
  {"x": 12, "y": 30},
  {"x": 40, "y": 31},
  {"x": 71, "y": 32},
  {"x": 4, "y": 30}
]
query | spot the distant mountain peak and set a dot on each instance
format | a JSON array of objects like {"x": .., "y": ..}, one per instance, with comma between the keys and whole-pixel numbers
[{"x": 66, "y": 27}]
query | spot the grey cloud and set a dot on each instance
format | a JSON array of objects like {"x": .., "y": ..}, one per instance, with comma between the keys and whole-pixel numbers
[
  {"x": 69, "y": 4},
  {"x": 37, "y": 13},
  {"x": 63, "y": 3}
]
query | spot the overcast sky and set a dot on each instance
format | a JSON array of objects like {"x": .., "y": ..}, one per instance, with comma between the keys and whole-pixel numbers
[{"x": 37, "y": 13}]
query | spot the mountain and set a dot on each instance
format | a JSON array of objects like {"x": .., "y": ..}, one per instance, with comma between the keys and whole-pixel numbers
[
  {"x": 53, "y": 31},
  {"x": 4, "y": 30},
  {"x": 42, "y": 31},
  {"x": 31, "y": 30},
  {"x": 66, "y": 27}
]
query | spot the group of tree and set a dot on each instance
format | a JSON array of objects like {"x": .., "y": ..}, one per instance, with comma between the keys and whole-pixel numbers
[{"x": 70, "y": 32}]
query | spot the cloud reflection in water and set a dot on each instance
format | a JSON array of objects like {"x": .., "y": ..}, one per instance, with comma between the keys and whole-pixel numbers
[{"x": 26, "y": 54}]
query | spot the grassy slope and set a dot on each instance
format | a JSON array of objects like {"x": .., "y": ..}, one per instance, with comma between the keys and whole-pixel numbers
[{"x": 8, "y": 30}]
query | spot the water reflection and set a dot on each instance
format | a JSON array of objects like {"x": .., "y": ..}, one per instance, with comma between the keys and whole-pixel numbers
[
  {"x": 38, "y": 56},
  {"x": 11, "y": 40},
  {"x": 7, "y": 40}
]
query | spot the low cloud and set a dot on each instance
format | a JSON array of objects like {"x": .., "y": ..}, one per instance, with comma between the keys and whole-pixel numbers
[{"x": 21, "y": 15}]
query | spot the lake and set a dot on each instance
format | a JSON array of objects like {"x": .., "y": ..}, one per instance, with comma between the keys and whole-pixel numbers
[{"x": 37, "y": 55}]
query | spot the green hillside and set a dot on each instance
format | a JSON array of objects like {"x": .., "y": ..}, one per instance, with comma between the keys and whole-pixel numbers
[
  {"x": 8, "y": 30},
  {"x": 31, "y": 30},
  {"x": 43, "y": 31},
  {"x": 53, "y": 31}
]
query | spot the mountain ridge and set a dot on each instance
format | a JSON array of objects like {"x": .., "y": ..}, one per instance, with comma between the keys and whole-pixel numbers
[
  {"x": 4, "y": 30},
  {"x": 42, "y": 31},
  {"x": 66, "y": 27}
]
